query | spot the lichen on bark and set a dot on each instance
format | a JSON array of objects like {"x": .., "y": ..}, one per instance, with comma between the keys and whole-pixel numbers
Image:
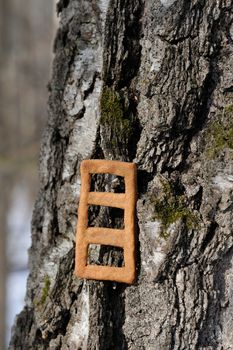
[
  {"x": 169, "y": 207},
  {"x": 219, "y": 134}
]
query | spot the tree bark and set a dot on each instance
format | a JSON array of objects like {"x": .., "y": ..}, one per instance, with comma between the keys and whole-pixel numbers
[{"x": 148, "y": 82}]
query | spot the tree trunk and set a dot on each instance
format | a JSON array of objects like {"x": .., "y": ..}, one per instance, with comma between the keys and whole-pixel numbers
[{"x": 150, "y": 83}]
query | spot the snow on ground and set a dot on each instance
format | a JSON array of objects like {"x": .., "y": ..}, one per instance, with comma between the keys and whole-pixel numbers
[
  {"x": 16, "y": 288},
  {"x": 18, "y": 224},
  {"x": 18, "y": 242}
]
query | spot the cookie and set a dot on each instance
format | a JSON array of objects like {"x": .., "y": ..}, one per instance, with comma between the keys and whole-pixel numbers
[{"x": 124, "y": 238}]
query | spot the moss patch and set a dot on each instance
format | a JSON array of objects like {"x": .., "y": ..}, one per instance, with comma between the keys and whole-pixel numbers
[
  {"x": 169, "y": 208},
  {"x": 45, "y": 290},
  {"x": 219, "y": 134},
  {"x": 114, "y": 116}
]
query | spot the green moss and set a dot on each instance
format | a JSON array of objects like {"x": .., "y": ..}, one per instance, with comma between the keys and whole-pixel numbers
[
  {"x": 115, "y": 117},
  {"x": 45, "y": 290},
  {"x": 169, "y": 208},
  {"x": 219, "y": 134},
  {"x": 229, "y": 109}
]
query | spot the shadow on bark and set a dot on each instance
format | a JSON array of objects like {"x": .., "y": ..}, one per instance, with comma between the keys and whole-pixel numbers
[{"x": 113, "y": 317}]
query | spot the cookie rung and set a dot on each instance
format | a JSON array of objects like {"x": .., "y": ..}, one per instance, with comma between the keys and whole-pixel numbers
[{"x": 108, "y": 199}]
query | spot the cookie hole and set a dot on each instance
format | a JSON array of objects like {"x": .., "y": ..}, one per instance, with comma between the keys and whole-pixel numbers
[
  {"x": 105, "y": 255},
  {"x": 107, "y": 183},
  {"x": 102, "y": 216}
]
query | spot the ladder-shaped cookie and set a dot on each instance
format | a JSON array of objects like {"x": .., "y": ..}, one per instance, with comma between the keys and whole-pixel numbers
[{"x": 123, "y": 238}]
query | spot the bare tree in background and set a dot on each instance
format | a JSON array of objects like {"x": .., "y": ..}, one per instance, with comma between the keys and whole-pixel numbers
[
  {"x": 149, "y": 82},
  {"x": 26, "y": 30}
]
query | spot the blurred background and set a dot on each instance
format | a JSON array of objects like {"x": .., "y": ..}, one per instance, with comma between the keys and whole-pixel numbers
[{"x": 27, "y": 29}]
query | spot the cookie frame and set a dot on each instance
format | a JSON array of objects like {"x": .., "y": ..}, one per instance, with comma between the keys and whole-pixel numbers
[{"x": 123, "y": 238}]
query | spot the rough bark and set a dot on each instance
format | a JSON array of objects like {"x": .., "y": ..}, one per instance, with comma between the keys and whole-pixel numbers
[{"x": 150, "y": 83}]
